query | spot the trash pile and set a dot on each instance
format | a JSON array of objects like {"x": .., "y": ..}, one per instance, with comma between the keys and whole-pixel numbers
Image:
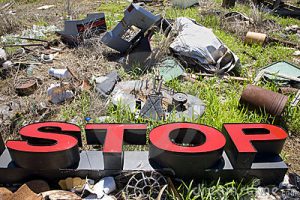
[
  {"x": 192, "y": 52},
  {"x": 135, "y": 185}
]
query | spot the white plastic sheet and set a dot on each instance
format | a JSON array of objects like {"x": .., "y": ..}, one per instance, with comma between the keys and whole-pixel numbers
[{"x": 198, "y": 46}]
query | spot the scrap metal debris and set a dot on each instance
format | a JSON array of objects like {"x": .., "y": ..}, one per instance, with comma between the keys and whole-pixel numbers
[
  {"x": 145, "y": 185},
  {"x": 296, "y": 100},
  {"x": 131, "y": 29},
  {"x": 106, "y": 84},
  {"x": 282, "y": 73},
  {"x": 76, "y": 30},
  {"x": 170, "y": 68},
  {"x": 26, "y": 86},
  {"x": 151, "y": 100},
  {"x": 199, "y": 47},
  {"x": 264, "y": 100}
]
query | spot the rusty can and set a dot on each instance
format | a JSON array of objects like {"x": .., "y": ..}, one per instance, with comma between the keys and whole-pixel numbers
[
  {"x": 259, "y": 98},
  {"x": 26, "y": 87}
]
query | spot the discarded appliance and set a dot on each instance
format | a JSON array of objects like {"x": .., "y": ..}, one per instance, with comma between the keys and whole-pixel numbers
[
  {"x": 150, "y": 100},
  {"x": 75, "y": 30},
  {"x": 60, "y": 73},
  {"x": 58, "y": 93},
  {"x": 282, "y": 73},
  {"x": 199, "y": 47},
  {"x": 26, "y": 87},
  {"x": 259, "y": 98},
  {"x": 145, "y": 185},
  {"x": 131, "y": 29},
  {"x": 170, "y": 68},
  {"x": 106, "y": 84},
  {"x": 184, "y": 3}
]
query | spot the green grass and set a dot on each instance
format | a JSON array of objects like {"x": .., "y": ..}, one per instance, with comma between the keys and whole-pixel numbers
[{"x": 216, "y": 190}]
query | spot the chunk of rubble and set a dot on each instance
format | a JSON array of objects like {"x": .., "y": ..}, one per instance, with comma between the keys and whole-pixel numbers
[
  {"x": 5, "y": 194},
  {"x": 59, "y": 195},
  {"x": 60, "y": 73},
  {"x": 25, "y": 193},
  {"x": 58, "y": 93},
  {"x": 106, "y": 84},
  {"x": 72, "y": 184}
]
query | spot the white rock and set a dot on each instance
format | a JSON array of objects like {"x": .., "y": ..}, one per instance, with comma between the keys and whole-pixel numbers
[
  {"x": 8, "y": 64},
  {"x": 3, "y": 56},
  {"x": 60, "y": 73}
]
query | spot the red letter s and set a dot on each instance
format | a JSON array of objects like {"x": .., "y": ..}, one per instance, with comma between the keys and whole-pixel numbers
[{"x": 46, "y": 146}]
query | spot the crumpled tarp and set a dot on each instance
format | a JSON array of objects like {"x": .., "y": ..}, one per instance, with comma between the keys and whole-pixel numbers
[{"x": 197, "y": 45}]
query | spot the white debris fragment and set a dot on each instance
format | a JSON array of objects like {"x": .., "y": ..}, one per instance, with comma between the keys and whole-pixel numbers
[
  {"x": 60, "y": 73},
  {"x": 296, "y": 53},
  {"x": 36, "y": 32},
  {"x": 45, "y": 7},
  {"x": 47, "y": 58},
  {"x": 104, "y": 187},
  {"x": 124, "y": 99},
  {"x": 262, "y": 194},
  {"x": 3, "y": 56},
  {"x": 285, "y": 184}
]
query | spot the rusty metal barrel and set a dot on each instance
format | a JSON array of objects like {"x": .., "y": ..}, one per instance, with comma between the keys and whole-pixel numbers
[{"x": 259, "y": 98}]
